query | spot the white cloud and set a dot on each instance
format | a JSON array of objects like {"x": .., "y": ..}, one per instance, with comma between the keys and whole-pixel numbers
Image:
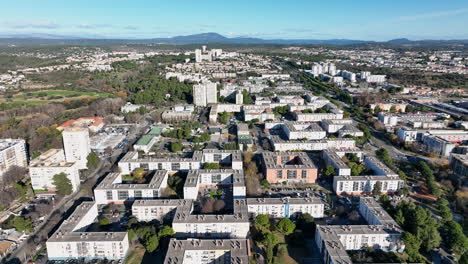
[{"x": 45, "y": 24}]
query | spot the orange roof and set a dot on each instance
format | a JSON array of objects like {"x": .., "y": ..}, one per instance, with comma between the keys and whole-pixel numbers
[
  {"x": 96, "y": 121},
  {"x": 4, "y": 246}
]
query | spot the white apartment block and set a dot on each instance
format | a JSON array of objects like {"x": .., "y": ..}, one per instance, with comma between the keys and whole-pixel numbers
[
  {"x": 286, "y": 207},
  {"x": 392, "y": 119},
  {"x": 202, "y": 178},
  {"x": 43, "y": 168},
  {"x": 12, "y": 153},
  {"x": 76, "y": 145},
  {"x": 132, "y": 161},
  {"x": 297, "y": 130},
  {"x": 160, "y": 209},
  {"x": 381, "y": 233},
  {"x": 205, "y": 93},
  {"x": 280, "y": 144},
  {"x": 316, "y": 117},
  {"x": 208, "y": 251},
  {"x": 72, "y": 241},
  {"x": 357, "y": 185},
  {"x": 113, "y": 190}
]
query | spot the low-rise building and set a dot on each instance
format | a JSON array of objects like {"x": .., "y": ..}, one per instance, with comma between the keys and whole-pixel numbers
[
  {"x": 43, "y": 168},
  {"x": 207, "y": 251},
  {"x": 288, "y": 166},
  {"x": 202, "y": 178},
  {"x": 72, "y": 241},
  {"x": 113, "y": 188},
  {"x": 286, "y": 207}
]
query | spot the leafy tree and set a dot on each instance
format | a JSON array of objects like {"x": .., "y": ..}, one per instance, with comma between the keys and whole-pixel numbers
[
  {"x": 92, "y": 160},
  {"x": 384, "y": 156},
  {"x": 454, "y": 237},
  {"x": 176, "y": 146},
  {"x": 62, "y": 184},
  {"x": 265, "y": 184},
  {"x": 166, "y": 231},
  {"x": 262, "y": 220},
  {"x": 328, "y": 171},
  {"x": 246, "y": 97},
  {"x": 104, "y": 222},
  {"x": 377, "y": 190},
  {"x": 412, "y": 243},
  {"x": 444, "y": 210},
  {"x": 152, "y": 243},
  {"x": 22, "y": 224},
  {"x": 281, "y": 110},
  {"x": 402, "y": 175},
  {"x": 306, "y": 223},
  {"x": 269, "y": 239},
  {"x": 285, "y": 226},
  {"x": 211, "y": 166},
  {"x": 223, "y": 117},
  {"x": 138, "y": 173}
]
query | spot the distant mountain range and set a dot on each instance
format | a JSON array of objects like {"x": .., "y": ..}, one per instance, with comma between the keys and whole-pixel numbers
[{"x": 203, "y": 38}]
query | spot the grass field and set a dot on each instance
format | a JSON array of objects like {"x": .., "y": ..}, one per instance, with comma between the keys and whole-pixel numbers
[{"x": 136, "y": 255}]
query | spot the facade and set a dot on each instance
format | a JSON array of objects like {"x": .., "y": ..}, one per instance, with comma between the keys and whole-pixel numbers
[
  {"x": 132, "y": 161},
  {"x": 280, "y": 144},
  {"x": 203, "y": 178},
  {"x": 12, "y": 153},
  {"x": 459, "y": 164},
  {"x": 344, "y": 183},
  {"x": 76, "y": 145},
  {"x": 310, "y": 131},
  {"x": 286, "y": 207},
  {"x": 381, "y": 233},
  {"x": 391, "y": 119},
  {"x": 114, "y": 190},
  {"x": 288, "y": 166},
  {"x": 205, "y": 93},
  {"x": 442, "y": 142},
  {"x": 208, "y": 251},
  {"x": 72, "y": 241},
  {"x": 43, "y": 168}
]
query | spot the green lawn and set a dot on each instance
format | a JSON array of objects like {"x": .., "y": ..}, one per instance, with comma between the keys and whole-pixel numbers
[
  {"x": 136, "y": 255},
  {"x": 56, "y": 93}
]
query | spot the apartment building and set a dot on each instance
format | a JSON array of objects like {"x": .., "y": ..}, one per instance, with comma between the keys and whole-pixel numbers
[
  {"x": 72, "y": 241},
  {"x": 297, "y": 130},
  {"x": 288, "y": 166},
  {"x": 357, "y": 185},
  {"x": 76, "y": 145},
  {"x": 12, "y": 153},
  {"x": 381, "y": 233},
  {"x": 442, "y": 142},
  {"x": 113, "y": 189},
  {"x": 160, "y": 209},
  {"x": 94, "y": 124},
  {"x": 316, "y": 117},
  {"x": 43, "y": 168},
  {"x": 208, "y": 251},
  {"x": 235, "y": 225},
  {"x": 280, "y": 144},
  {"x": 203, "y": 178},
  {"x": 205, "y": 93},
  {"x": 459, "y": 164},
  {"x": 391, "y": 119},
  {"x": 286, "y": 207}
]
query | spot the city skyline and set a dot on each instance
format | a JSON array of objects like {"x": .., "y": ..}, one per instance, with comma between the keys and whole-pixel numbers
[{"x": 363, "y": 20}]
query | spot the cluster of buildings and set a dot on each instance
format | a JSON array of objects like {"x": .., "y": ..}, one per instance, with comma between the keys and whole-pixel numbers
[
  {"x": 12, "y": 153},
  {"x": 205, "y": 233},
  {"x": 381, "y": 232},
  {"x": 327, "y": 72}
]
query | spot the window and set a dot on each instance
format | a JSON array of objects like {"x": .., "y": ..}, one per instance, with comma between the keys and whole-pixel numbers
[
  {"x": 341, "y": 186},
  {"x": 355, "y": 186},
  {"x": 160, "y": 166},
  {"x": 292, "y": 174},
  {"x": 109, "y": 195},
  {"x": 215, "y": 178},
  {"x": 155, "y": 194},
  {"x": 175, "y": 166},
  {"x": 217, "y": 157},
  {"x": 304, "y": 174},
  {"x": 385, "y": 186},
  {"x": 144, "y": 165},
  {"x": 122, "y": 195},
  {"x": 279, "y": 174},
  {"x": 138, "y": 194},
  {"x": 284, "y": 159}
]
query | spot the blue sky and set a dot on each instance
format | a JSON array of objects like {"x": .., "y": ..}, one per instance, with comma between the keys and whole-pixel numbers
[{"x": 351, "y": 19}]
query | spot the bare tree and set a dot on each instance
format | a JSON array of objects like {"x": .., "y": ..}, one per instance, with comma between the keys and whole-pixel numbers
[
  {"x": 219, "y": 205},
  {"x": 208, "y": 206}
]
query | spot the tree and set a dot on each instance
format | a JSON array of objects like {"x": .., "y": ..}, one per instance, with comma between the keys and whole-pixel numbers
[
  {"x": 62, "y": 184},
  {"x": 306, "y": 223},
  {"x": 412, "y": 243},
  {"x": 262, "y": 220},
  {"x": 384, "y": 156},
  {"x": 211, "y": 166},
  {"x": 176, "y": 146},
  {"x": 269, "y": 239},
  {"x": 454, "y": 237},
  {"x": 285, "y": 226},
  {"x": 152, "y": 243},
  {"x": 328, "y": 171},
  {"x": 246, "y": 97},
  {"x": 377, "y": 190},
  {"x": 22, "y": 224},
  {"x": 104, "y": 222},
  {"x": 166, "y": 231},
  {"x": 92, "y": 160},
  {"x": 138, "y": 173},
  {"x": 444, "y": 210}
]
